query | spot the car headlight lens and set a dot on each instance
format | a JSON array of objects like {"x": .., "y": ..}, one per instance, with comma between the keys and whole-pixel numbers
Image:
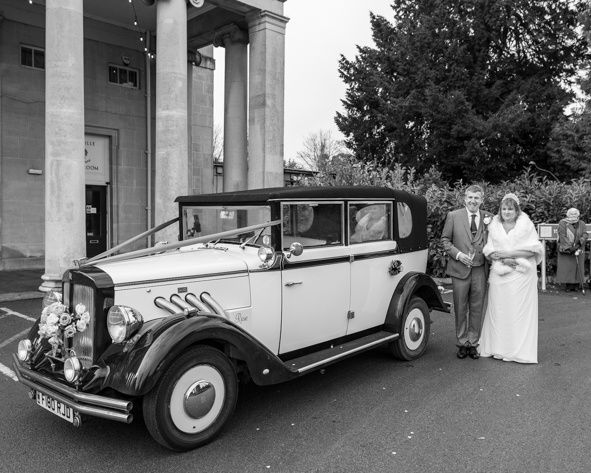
[
  {"x": 267, "y": 255},
  {"x": 123, "y": 322},
  {"x": 72, "y": 369},
  {"x": 24, "y": 350}
]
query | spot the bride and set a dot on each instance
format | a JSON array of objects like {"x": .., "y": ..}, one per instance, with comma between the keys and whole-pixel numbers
[{"x": 510, "y": 328}]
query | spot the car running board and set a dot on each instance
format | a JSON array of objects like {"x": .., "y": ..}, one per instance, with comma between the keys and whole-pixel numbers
[{"x": 328, "y": 355}]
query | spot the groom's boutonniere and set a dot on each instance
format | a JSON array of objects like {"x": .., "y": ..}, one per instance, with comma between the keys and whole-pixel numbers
[{"x": 486, "y": 220}]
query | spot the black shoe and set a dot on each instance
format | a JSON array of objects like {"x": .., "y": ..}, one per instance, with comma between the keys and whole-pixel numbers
[
  {"x": 462, "y": 352},
  {"x": 473, "y": 352}
]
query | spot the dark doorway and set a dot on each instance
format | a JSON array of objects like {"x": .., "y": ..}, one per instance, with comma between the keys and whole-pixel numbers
[{"x": 96, "y": 220}]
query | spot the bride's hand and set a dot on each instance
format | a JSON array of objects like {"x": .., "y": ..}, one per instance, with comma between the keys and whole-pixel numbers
[
  {"x": 509, "y": 262},
  {"x": 495, "y": 255}
]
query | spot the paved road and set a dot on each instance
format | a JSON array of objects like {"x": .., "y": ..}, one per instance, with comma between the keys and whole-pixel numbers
[{"x": 366, "y": 414}]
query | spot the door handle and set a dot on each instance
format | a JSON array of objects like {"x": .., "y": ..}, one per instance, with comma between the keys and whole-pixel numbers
[
  {"x": 93, "y": 241},
  {"x": 293, "y": 283}
]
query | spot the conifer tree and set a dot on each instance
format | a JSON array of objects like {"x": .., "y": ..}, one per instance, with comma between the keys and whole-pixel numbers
[{"x": 474, "y": 87}]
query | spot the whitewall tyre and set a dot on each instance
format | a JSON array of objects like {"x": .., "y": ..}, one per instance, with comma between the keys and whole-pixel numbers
[
  {"x": 193, "y": 400},
  {"x": 414, "y": 331}
]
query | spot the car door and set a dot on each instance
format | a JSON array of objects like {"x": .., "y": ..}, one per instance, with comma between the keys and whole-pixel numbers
[
  {"x": 316, "y": 284},
  {"x": 372, "y": 250}
]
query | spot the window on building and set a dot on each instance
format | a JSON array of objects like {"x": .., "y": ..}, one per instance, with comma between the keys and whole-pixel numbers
[
  {"x": 33, "y": 57},
  {"x": 123, "y": 76}
]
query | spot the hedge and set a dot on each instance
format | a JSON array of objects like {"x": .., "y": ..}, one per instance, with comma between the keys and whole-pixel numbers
[{"x": 543, "y": 200}]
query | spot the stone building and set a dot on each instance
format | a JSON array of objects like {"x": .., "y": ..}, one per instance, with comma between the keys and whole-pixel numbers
[{"x": 106, "y": 115}]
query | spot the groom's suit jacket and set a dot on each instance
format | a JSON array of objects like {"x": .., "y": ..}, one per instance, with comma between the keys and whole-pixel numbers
[{"x": 456, "y": 237}]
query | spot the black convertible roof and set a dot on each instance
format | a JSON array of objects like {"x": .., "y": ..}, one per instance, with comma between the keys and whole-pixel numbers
[{"x": 260, "y": 196}]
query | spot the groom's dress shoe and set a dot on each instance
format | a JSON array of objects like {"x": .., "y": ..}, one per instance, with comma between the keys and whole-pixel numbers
[
  {"x": 473, "y": 352},
  {"x": 462, "y": 352}
]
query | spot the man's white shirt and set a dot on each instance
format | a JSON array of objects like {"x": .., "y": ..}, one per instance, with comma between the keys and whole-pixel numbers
[{"x": 476, "y": 220}]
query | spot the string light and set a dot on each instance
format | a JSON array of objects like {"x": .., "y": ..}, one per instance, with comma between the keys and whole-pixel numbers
[{"x": 138, "y": 29}]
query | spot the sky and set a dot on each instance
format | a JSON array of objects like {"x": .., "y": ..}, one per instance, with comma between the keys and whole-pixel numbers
[{"x": 318, "y": 32}]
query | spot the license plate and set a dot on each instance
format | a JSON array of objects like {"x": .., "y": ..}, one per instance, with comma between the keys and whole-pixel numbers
[{"x": 55, "y": 407}]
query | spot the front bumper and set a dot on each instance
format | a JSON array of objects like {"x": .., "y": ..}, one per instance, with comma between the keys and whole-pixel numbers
[{"x": 86, "y": 404}]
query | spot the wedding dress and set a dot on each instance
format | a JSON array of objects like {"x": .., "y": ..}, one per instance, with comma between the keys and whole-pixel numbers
[{"x": 510, "y": 327}]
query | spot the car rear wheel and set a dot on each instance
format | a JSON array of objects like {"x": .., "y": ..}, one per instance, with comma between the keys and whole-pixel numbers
[
  {"x": 414, "y": 331},
  {"x": 193, "y": 400}
]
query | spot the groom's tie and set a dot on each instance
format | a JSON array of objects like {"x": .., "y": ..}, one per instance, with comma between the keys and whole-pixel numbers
[{"x": 473, "y": 225}]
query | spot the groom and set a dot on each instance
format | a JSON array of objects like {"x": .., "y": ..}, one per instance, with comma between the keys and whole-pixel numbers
[{"x": 463, "y": 237}]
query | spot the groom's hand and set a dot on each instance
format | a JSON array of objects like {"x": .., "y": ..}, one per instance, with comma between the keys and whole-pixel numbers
[{"x": 463, "y": 258}]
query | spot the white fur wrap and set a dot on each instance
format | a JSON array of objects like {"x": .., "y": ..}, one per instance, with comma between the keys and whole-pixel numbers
[{"x": 522, "y": 237}]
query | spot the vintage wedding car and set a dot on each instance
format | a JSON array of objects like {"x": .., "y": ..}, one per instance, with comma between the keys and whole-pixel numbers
[{"x": 266, "y": 285}]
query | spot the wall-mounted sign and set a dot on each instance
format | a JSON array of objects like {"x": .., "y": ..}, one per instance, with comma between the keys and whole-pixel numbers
[{"x": 96, "y": 159}]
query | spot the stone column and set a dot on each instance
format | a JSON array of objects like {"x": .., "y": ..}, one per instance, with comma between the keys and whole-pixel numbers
[
  {"x": 201, "y": 122},
  {"x": 171, "y": 158},
  {"x": 266, "y": 99},
  {"x": 65, "y": 219},
  {"x": 235, "y": 107}
]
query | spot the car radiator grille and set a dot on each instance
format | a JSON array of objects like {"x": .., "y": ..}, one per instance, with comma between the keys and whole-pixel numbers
[{"x": 82, "y": 342}]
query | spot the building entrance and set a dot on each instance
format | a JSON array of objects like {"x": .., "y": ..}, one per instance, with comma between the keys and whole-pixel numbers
[
  {"x": 97, "y": 149},
  {"x": 96, "y": 220}
]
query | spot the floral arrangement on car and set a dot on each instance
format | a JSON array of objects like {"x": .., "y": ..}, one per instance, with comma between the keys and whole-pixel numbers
[
  {"x": 395, "y": 267},
  {"x": 57, "y": 324}
]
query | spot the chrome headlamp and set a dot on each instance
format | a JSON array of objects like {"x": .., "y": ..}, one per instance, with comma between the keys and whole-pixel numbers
[
  {"x": 24, "y": 350},
  {"x": 123, "y": 322},
  {"x": 51, "y": 297},
  {"x": 72, "y": 369},
  {"x": 267, "y": 256}
]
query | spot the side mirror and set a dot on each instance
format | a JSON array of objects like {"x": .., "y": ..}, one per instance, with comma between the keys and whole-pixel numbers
[{"x": 295, "y": 249}]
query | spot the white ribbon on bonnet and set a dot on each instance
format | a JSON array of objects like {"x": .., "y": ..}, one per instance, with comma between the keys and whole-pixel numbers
[{"x": 522, "y": 237}]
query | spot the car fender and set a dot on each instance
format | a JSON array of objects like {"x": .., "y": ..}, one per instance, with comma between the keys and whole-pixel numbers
[
  {"x": 412, "y": 284},
  {"x": 138, "y": 370}
]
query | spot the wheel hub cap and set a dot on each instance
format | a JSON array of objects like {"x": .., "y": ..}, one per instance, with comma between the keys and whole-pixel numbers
[
  {"x": 199, "y": 399},
  {"x": 415, "y": 330}
]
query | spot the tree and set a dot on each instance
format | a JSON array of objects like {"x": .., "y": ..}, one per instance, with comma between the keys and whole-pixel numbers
[
  {"x": 570, "y": 143},
  {"x": 319, "y": 147},
  {"x": 473, "y": 87}
]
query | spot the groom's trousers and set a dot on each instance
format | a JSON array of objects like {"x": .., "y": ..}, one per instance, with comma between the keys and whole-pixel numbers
[{"x": 469, "y": 303}]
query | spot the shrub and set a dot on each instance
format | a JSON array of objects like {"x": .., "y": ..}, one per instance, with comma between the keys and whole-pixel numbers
[{"x": 543, "y": 200}]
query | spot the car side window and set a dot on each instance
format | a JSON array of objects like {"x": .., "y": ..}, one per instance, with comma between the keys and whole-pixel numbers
[
  {"x": 312, "y": 224},
  {"x": 404, "y": 220},
  {"x": 370, "y": 222}
]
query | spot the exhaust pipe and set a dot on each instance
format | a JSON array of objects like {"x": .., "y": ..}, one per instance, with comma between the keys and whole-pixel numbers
[
  {"x": 180, "y": 303},
  {"x": 197, "y": 304},
  {"x": 166, "y": 305},
  {"x": 217, "y": 308}
]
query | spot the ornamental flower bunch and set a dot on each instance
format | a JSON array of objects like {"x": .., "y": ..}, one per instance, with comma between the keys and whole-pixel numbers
[
  {"x": 57, "y": 323},
  {"x": 395, "y": 267}
]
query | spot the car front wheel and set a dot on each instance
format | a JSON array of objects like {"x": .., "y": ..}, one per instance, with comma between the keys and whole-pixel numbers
[
  {"x": 414, "y": 331},
  {"x": 193, "y": 400}
]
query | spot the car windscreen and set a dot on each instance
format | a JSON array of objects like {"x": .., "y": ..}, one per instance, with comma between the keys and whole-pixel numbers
[{"x": 208, "y": 220}]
